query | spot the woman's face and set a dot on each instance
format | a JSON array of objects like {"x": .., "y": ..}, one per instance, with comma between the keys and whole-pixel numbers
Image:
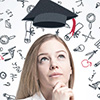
[{"x": 53, "y": 64}]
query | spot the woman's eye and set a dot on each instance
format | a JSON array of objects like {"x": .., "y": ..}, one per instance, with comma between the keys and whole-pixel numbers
[
  {"x": 61, "y": 56},
  {"x": 44, "y": 59}
]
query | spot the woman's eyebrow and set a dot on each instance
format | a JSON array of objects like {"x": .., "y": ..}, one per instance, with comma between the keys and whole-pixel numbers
[
  {"x": 42, "y": 54},
  {"x": 61, "y": 51}
]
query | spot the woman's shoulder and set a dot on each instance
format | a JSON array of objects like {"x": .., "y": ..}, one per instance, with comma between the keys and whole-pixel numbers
[{"x": 36, "y": 96}]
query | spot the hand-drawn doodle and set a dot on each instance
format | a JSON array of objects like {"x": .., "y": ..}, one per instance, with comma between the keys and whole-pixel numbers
[
  {"x": 80, "y": 48},
  {"x": 81, "y": 3},
  {"x": 90, "y": 18},
  {"x": 9, "y": 12},
  {"x": 3, "y": 75},
  {"x": 98, "y": 95},
  {"x": 7, "y": 84},
  {"x": 16, "y": 67},
  {"x": 97, "y": 44},
  {"x": 1, "y": 18},
  {"x": 97, "y": 4},
  {"x": 91, "y": 78},
  {"x": 68, "y": 36},
  {"x": 13, "y": 76},
  {"x": 67, "y": 26},
  {"x": 10, "y": 52},
  {"x": 20, "y": 53},
  {"x": 1, "y": 58},
  {"x": 29, "y": 8},
  {"x": 29, "y": 31},
  {"x": 9, "y": 97},
  {"x": 23, "y": 2},
  {"x": 88, "y": 36},
  {"x": 91, "y": 53},
  {"x": 97, "y": 64},
  {"x": 7, "y": 24},
  {"x": 1, "y": 49},
  {"x": 85, "y": 63},
  {"x": 79, "y": 26},
  {"x": 59, "y": 2},
  {"x": 57, "y": 32},
  {"x": 76, "y": 12},
  {"x": 2, "y": 0},
  {"x": 4, "y": 39},
  {"x": 95, "y": 85}
]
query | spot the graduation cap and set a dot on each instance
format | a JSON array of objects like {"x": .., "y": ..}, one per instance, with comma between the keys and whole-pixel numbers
[{"x": 48, "y": 14}]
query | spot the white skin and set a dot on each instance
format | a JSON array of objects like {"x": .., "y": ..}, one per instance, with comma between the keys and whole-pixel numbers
[{"x": 54, "y": 71}]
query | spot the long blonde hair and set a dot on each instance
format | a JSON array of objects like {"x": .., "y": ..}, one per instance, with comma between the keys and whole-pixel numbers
[{"x": 28, "y": 83}]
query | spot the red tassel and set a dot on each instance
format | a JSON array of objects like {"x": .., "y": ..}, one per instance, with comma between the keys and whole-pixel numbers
[{"x": 73, "y": 28}]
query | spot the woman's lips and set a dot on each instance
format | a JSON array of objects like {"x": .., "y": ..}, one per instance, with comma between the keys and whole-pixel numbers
[{"x": 55, "y": 74}]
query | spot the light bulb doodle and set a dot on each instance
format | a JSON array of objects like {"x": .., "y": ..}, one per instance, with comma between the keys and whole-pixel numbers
[
  {"x": 85, "y": 63},
  {"x": 80, "y": 48}
]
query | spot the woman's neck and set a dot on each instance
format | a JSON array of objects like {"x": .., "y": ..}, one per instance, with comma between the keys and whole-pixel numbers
[{"x": 47, "y": 93}]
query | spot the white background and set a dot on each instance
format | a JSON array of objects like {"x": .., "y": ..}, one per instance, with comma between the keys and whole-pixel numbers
[{"x": 82, "y": 90}]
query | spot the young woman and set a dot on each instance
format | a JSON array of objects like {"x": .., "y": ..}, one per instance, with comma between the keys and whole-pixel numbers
[{"x": 48, "y": 72}]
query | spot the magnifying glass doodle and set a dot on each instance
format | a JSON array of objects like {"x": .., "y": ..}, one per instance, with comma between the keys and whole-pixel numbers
[
  {"x": 4, "y": 39},
  {"x": 90, "y": 18}
]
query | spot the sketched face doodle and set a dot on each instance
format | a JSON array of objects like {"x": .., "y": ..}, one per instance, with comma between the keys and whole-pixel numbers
[{"x": 3, "y": 75}]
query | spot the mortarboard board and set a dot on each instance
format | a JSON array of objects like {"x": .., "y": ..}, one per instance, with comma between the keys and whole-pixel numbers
[{"x": 48, "y": 14}]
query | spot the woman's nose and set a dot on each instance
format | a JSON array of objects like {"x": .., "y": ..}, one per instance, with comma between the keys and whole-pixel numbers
[{"x": 53, "y": 65}]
